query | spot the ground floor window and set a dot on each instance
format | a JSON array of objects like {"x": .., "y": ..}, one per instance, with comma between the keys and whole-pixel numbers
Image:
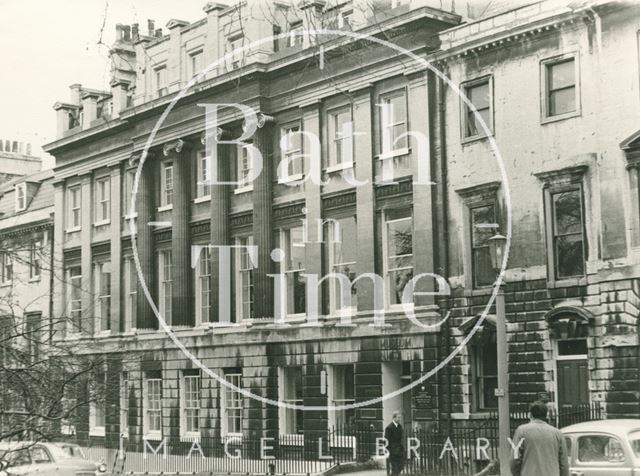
[
  {"x": 232, "y": 403},
  {"x": 290, "y": 392}
]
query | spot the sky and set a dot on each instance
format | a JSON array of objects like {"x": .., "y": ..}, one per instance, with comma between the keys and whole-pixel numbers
[{"x": 48, "y": 45}]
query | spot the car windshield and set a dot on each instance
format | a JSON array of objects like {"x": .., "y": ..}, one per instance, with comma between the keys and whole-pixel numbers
[{"x": 634, "y": 439}]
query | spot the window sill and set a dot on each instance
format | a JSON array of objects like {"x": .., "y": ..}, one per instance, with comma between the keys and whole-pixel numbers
[
  {"x": 165, "y": 208},
  {"x": 394, "y": 153},
  {"x": 291, "y": 179},
  {"x": 245, "y": 189},
  {"x": 34, "y": 280},
  {"x": 75, "y": 229},
  {"x": 339, "y": 167},
  {"x": 97, "y": 431},
  {"x": 567, "y": 282},
  {"x": 131, "y": 216},
  {"x": 6, "y": 284},
  {"x": 474, "y": 139},
  {"x": 101, "y": 223},
  {"x": 206, "y": 198},
  {"x": 190, "y": 437},
  {"x": 559, "y": 117},
  {"x": 153, "y": 436}
]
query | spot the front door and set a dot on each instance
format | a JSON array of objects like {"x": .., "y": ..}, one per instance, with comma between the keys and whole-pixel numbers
[{"x": 573, "y": 382}]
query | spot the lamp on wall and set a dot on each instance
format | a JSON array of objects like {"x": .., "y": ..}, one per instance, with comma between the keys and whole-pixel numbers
[{"x": 497, "y": 244}]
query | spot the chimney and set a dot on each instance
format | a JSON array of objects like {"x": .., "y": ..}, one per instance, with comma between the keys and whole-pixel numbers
[
  {"x": 14, "y": 146},
  {"x": 151, "y": 25},
  {"x": 75, "y": 93},
  {"x": 28, "y": 148},
  {"x": 159, "y": 33},
  {"x": 126, "y": 29},
  {"x": 135, "y": 32},
  {"x": 119, "y": 32}
]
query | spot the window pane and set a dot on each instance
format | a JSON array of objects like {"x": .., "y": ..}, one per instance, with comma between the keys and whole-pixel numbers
[
  {"x": 296, "y": 249},
  {"x": 600, "y": 448},
  {"x": 570, "y": 255},
  {"x": 567, "y": 208},
  {"x": 572, "y": 347},
  {"x": 299, "y": 293},
  {"x": 480, "y": 218},
  {"x": 479, "y": 96},
  {"x": 398, "y": 280},
  {"x": 561, "y": 75},
  {"x": 562, "y": 101},
  {"x": 483, "y": 273},
  {"x": 400, "y": 236}
]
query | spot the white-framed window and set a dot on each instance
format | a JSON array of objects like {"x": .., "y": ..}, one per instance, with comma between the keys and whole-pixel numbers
[
  {"x": 296, "y": 34},
  {"x": 341, "y": 252},
  {"x": 153, "y": 407},
  {"x": 190, "y": 403},
  {"x": 291, "y": 149},
  {"x": 397, "y": 242},
  {"x": 166, "y": 185},
  {"x": 203, "y": 283},
  {"x": 340, "y": 138},
  {"x": 342, "y": 392},
  {"x": 74, "y": 290},
  {"x": 195, "y": 62},
  {"x": 35, "y": 261},
  {"x": 480, "y": 93},
  {"x": 232, "y": 403},
  {"x": 102, "y": 292},
  {"x": 560, "y": 88},
  {"x": 124, "y": 403},
  {"x": 567, "y": 230},
  {"x": 165, "y": 282},
  {"x": 244, "y": 278},
  {"x": 393, "y": 123},
  {"x": 203, "y": 167},
  {"x": 293, "y": 266},
  {"x": 244, "y": 165},
  {"x": 235, "y": 60},
  {"x": 130, "y": 292},
  {"x": 160, "y": 80},
  {"x": 6, "y": 266},
  {"x": 484, "y": 370},
  {"x": 482, "y": 216},
  {"x": 97, "y": 408},
  {"x": 21, "y": 196},
  {"x": 345, "y": 19},
  {"x": 290, "y": 388},
  {"x": 96, "y": 419},
  {"x": 74, "y": 208},
  {"x": 102, "y": 200}
]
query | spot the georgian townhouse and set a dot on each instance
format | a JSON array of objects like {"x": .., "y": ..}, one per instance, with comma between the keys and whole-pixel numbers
[
  {"x": 557, "y": 87},
  {"x": 361, "y": 100}
]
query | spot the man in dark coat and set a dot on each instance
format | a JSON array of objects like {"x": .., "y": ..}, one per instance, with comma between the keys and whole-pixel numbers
[{"x": 394, "y": 434}]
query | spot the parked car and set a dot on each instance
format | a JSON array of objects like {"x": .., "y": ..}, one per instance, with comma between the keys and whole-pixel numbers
[
  {"x": 46, "y": 459},
  {"x": 605, "y": 447}
]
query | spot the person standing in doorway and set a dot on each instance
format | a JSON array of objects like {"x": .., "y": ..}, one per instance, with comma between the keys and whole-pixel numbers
[
  {"x": 541, "y": 449},
  {"x": 394, "y": 434}
]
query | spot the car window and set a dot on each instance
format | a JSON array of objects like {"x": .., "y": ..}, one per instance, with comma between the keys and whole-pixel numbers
[
  {"x": 567, "y": 440},
  {"x": 39, "y": 455},
  {"x": 634, "y": 439},
  {"x": 600, "y": 449},
  {"x": 17, "y": 458}
]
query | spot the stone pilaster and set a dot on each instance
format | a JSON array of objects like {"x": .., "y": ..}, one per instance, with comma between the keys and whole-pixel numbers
[
  {"x": 89, "y": 324},
  {"x": 57, "y": 265},
  {"x": 145, "y": 198},
  {"x": 263, "y": 224},
  {"x": 116, "y": 248},
  {"x": 220, "y": 159},
  {"x": 182, "y": 276}
]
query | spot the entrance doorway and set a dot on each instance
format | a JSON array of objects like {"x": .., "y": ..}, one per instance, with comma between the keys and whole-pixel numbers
[
  {"x": 396, "y": 375},
  {"x": 572, "y": 372}
]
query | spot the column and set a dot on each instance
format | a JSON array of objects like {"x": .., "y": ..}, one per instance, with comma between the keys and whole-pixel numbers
[
  {"x": 263, "y": 222},
  {"x": 423, "y": 211},
  {"x": 365, "y": 198},
  {"x": 220, "y": 157},
  {"x": 116, "y": 247},
  {"x": 57, "y": 264},
  {"x": 88, "y": 299},
  {"x": 144, "y": 239},
  {"x": 182, "y": 274}
]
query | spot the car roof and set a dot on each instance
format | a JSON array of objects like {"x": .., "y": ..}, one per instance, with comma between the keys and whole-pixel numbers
[{"x": 616, "y": 427}]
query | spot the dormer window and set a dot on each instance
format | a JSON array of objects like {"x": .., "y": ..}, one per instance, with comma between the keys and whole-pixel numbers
[
  {"x": 295, "y": 34},
  {"x": 21, "y": 197}
]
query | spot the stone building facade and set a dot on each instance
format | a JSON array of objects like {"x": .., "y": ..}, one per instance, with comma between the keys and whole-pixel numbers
[{"x": 537, "y": 75}]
